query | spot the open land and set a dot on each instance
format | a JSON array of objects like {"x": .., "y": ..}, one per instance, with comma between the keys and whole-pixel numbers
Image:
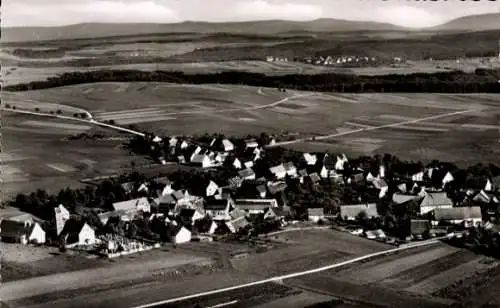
[{"x": 172, "y": 109}]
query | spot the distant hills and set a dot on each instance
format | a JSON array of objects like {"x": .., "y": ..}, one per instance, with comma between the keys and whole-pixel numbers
[
  {"x": 91, "y": 30},
  {"x": 472, "y": 23}
]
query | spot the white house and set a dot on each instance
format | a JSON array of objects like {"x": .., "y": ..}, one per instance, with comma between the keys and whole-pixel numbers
[
  {"x": 339, "y": 165},
  {"x": 418, "y": 177},
  {"x": 381, "y": 171},
  {"x": 351, "y": 212},
  {"x": 78, "y": 233},
  {"x": 262, "y": 190},
  {"x": 248, "y": 164},
  {"x": 227, "y": 145},
  {"x": 488, "y": 186},
  {"x": 184, "y": 144},
  {"x": 255, "y": 206},
  {"x": 218, "y": 209},
  {"x": 448, "y": 178},
  {"x": 237, "y": 164},
  {"x": 279, "y": 171},
  {"x": 370, "y": 177},
  {"x": 251, "y": 143},
  {"x": 21, "y": 232},
  {"x": 470, "y": 216},
  {"x": 181, "y": 235},
  {"x": 36, "y": 234},
  {"x": 247, "y": 174},
  {"x": 310, "y": 159},
  {"x": 316, "y": 214},
  {"x": 211, "y": 189},
  {"x": 62, "y": 215}
]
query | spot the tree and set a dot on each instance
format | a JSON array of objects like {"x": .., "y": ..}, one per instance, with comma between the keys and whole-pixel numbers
[
  {"x": 75, "y": 115},
  {"x": 59, "y": 111},
  {"x": 37, "y": 109},
  {"x": 112, "y": 122},
  {"x": 7, "y": 105}
]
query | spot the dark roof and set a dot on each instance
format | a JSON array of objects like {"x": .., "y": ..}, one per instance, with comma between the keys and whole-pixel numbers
[
  {"x": 73, "y": 226},
  {"x": 329, "y": 161},
  {"x": 246, "y": 173},
  {"x": 203, "y": 225},
  {"x": 11, "y": 228},
  {"x": 187, "y": 213},
  {"x": 457, "y": 213},
  {"x": 215, "y": 204},
  {"x": 163, "y": 180}
]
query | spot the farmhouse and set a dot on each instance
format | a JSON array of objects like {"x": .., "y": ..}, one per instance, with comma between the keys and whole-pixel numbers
[
  {"x": 316, "y": 214},
  {"x": 78, "y": 233},
  {"x": 279, "y": 171},
  {"x": 21, "y": 232},
  {"x": 433, "y": 201},
  {"x": 262, "y": 190},
  {"x": 104, "y": 217},
  {"x": 248, "y": 164},
  {"x": 255, "y": 206},
  {"x": 401, "y": 198},
  {"x": 218, "y": 209},
  {"x": 134, "y": 205},
  {"x": 179, "y": 234},
  {"x": 351, "y": 212},
  {"x": 470, "y": 216}
]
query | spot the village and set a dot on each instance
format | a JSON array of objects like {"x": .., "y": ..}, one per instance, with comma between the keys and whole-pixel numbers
[{"x": 242, "y": 188}]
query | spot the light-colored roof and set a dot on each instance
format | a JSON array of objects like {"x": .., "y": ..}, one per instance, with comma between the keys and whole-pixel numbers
[
  {"x": 316, "y": 211},
  {"x": 400, "y": 198},
  {"x": 353, "y": 210},
  {"x": 129, "y": 204},
  {"x": 198, "y": 159},
  {"x": 246, "y": 173},
  {"x": 254, "y": 204},
  {"x": 278, "y": 169},
  {"x": 419, "y": 226},
  {"x": 436, "y": 199},
  {"x": 457, "y": 213}
]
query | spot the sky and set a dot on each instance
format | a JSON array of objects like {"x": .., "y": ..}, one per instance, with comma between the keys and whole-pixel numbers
[{"x": 409, "y": 13}]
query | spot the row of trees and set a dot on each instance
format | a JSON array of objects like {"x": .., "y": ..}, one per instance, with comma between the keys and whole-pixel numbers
[{"x": 448, "y": 82}]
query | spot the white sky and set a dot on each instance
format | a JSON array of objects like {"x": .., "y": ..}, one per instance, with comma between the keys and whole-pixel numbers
[{"x": 400, "y": 12}]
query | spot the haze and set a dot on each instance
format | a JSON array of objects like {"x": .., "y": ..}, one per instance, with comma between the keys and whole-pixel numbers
[{"x": 18, "y": 13}]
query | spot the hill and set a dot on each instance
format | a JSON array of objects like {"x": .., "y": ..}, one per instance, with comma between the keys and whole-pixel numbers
[
  {"x": 90, "y": 30},
  {"x": 472, "y": 23}
]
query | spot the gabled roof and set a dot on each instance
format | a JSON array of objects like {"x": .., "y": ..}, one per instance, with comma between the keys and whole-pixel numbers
[
  {"x": 400, "y": 198},
  {"x": 436, "y": 199},
  {"x": 379, "y": 183},
  {"x": 107, "y": 215},
  {"x": 203, "y": 225},
  {"x": 11, "y": 228},
  {"x": 457, "y": 213},
  {"x": 167, "y": 199},
  {"x": 128, "y": 187},
  {"x": 240, "y": 223},
  {"x": 276, "y": 187},
  {"x": 129, "y": 204},
  {"x": 73, "y": 226},
  {"x": 278, "y": 169},
  {"x": 329, "y": 161},
  {"x": 198, "y": 158},
  {"x": 216, "y": 204},
  {"x": 178, "y": 195}
]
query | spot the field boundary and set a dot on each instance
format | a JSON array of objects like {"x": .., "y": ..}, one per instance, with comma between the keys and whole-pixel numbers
[{"x": 280, "y": 278}]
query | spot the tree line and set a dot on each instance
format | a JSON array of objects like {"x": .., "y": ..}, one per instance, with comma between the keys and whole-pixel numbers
[{"x": 481, "y": 80}]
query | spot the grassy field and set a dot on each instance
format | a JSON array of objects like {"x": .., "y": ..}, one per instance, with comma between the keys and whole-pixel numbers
[{"x": 239, "y": 110}]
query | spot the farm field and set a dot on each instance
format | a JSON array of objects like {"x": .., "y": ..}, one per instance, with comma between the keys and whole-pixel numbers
[
  {"x": 173, "y": 109},
  {"x": 418, "y": 273}
]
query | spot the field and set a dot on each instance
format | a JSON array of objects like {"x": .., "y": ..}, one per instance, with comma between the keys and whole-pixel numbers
[
  {"x": 403, "y": 124},
  {"x": 416, "y": 275}
]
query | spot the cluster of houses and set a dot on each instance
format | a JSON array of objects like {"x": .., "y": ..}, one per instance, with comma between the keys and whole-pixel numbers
[
  {"x": 344, "y": 60},
  {"x": 276, "y": 59},
  {"x": 224, "y": 206}
]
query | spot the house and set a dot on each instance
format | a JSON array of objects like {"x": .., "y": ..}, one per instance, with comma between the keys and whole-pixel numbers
[
  {"x": 202, "y": 160},
  {"x": 470, "y": 216},
  {"x": 251, "y": 144},
  {"x": 352, "y": 212},
  {"x": 227, "y": 145},
  {"x": 196, "y": 151},
  {"x": 279, "y": 171},
  {"x": 21, "y": 232},
  {"x": 61, "y": 215},
  {"x": 302, "y": 175},
  {"x": 482, "y": 197},
  {"x": 401, "y": 198},
  {"x": 218, "y": 209},
  {"x": 375, "y": 234},
  {"x": 78, "y": 233},
  {"x": 488, "y": 186},
  {"x": 370, "y": 177},
  {"x": 248, "y": 164},
  {"x": 184, "y": 144},
  {"x": 247, "y": 174},
  {"x": 448, "y": 178},
  {"x": 434, "y": 200},
  {"x": 341, "y": 161},
  {"x": 178, "y": 234},
  {"x": 290, "y": 168},
  {"x": 270, "y": 213},
  {"x": 255, "y": 206},
  {"x": 237, "y": 224},
  {"x": 237, "y": 163},
  {"x": 211, "y": 189},
  {"x": 262, "y": 190},
  {"x": 316, "y": 214},
  {"x": 418, "y": 227},
  {"x": 418, "y": 177},
  {"x": 235, "y": 182},
  {"x": 310, "y": 159},
  {"x": 128, "y": 187},
  {"x": 181, "y": 159},
  {"x": 134, "y": 205},
  {"x": 257, "y": 154},
  {"x": 172, "y": 142}
]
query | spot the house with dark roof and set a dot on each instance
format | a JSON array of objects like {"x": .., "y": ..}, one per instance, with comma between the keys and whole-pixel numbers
[
  {"x": 78, "y": 233},
  {"x": 21, "y": 232},
  {"x": 351, "y": 212},
  {"x": 418, "y": 227},
  {"x": 189, "y": 216},
  {"x": 247, "y": 174},
  {"x": 205, "y": 226}
]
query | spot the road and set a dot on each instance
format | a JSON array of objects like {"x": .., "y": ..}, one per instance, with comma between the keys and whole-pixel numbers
[
  {"x": 435, "y": 117},
  {"x": 279, "y": 279}
]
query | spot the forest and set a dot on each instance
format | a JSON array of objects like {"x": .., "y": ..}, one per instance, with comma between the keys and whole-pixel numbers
[{"x": 482, "y": 80}]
